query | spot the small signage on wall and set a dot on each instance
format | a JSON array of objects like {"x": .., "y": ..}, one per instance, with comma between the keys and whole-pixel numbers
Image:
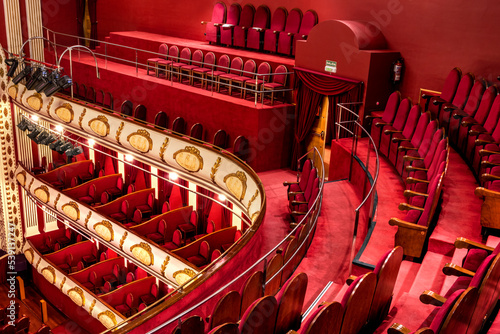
[{"x": 331, "y": 66}]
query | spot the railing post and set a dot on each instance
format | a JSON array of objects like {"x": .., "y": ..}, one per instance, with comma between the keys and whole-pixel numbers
[
  {"x": 136, "y": 65},
  {"x": 106, "y": 55},
  {"x": 256, "y": 85},
  {"x": 340, "y": 119},
  {"x": 264, "y": 271},
  {"x": 71, "y": 70}
]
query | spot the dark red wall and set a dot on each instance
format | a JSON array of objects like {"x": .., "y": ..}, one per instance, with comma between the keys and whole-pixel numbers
[{"x": 433, "y": 37}]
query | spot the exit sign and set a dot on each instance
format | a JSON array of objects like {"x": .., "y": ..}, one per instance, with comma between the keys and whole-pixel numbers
[{"x": 331, "y": 66}]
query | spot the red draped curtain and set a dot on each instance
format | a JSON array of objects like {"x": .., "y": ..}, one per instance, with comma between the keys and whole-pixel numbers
[
  {"x": 204, "y": 205},
  {"x": 164, "y": 187},
  {"x": 311, "y": 87},
  {"x": 80, "y": 17},
  {"x": 93, "y": 21},
  {"x": 184, "y": 192}
]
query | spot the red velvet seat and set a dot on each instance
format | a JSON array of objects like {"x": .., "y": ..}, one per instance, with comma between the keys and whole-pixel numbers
[
  {"x": 113, "y": 277},
  {"x": 151, "y": 297},
  {"x": 140, "y": 113},
  {"x": 127, "y": 109},
  {"x": 290, "y": 301},
  {"x": 433, "y": 104},
  {"x": 212, "y": 32},
  {"x": 479, "y": 117},
  {"x": 179, "y": 125},
  {"x": 66, "y": 239},
  {"x": 173, "y": 57},
  {"x": 327, "y": 317},
  {"x": 260, "y": 23},
  {"x": 277, "y": 85},
  {"x": 147, "y": 208},
  {"x": 161, "y": 120},
  {"x": 162, "y": 50},
  {"x": 234, "y": 72},
  {"x": 8, "y": 329},
  {"x": 233, "y": 18},
  {"x": 263, "y": 76},
  {"x": 422, "y": 158},
  {"x": 247, "y": 74},
  {"x": 222, "y": 68},
  {"x": 196, "y": 62},
  {"x": 309, "y": 20},
  {"x": 126, "y": 308},
  {"x": 278, "y": 21},
  {"x": 44, "y": 329},
  {"x": 91, "y": 258},
  {"x": 91, "y": 196},
  {"x": 176, "y": 242},
  {"x": 286, "y": 37},
  {"x": 91, "y": 284},
  {"x": 116, "y": 191},
  {"x": 122, "y": 215},
  {"x": 470, "y": 108},
  {"x": 406, "y": 134},
  {"x": 159, "y": 236},
  {"x": 379, "y": 119},
  {"x": 189, "y": 229},
  {"x": 22, "y": 324},
  {"x": 67, "y": 264},
  {"x": 184, "y": 60},
  {"x": 196, "y": 131},
  {"x": 227, "y": 310},
  {"x": 397, "y": 127},
  {"x": 220, "y": 139},
  {"x": 203, "y": 255},
  {"x": 459, "y": 100},
  {"x": 201, "y": 70},
  {"x": 424, "y": 130},
  {"x": 240, "y": 148},
  {"x": 239, "y": 32}
]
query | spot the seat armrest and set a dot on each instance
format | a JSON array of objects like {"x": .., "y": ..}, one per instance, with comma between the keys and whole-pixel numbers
[
  {"x": 406, "y": 207},
  {"x": 483, "y": 192},
  {"x": 411, "y": 193},
  {"x": 401, "y": 223},
  {"x": 381, "y": 124},
  {"x": 350, "y": 279},
  {"x": 488, "y": 164},
  {"x": 431, "y": 298},
  {"x": 404, "y": 148},
  {"x": 297, "y": 213},
  {"x": 392, "y": 131},
  {"x": 477, "y": 132},
  {"x": 411, "y": 158},
  {"x": 375, "y": 114},
  {"x": 412, "y": 180},
  {"x": 412, "y": 169},
  {"x": 299, "y": 202},
  {"x": 451, "y": 269},
  {"x": 397, "y": 328},
  {"x": 468, "y": 123},
  {"x": 484, "y": 152},
  {"x": 480, "y": 142},
  {"x": 291, "y": 331},
  {"x": 438, "y": 101},
  {"x": 459, "y": 113},
  {"x": 289, "y": 183},
  {"x": 293, "y": 193},
  {"x": 462, "y": 243},
  {"x": 397, "y": 140},
  {"x": 489, "y": 177}
]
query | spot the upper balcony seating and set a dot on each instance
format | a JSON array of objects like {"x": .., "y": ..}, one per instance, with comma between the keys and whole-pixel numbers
[
  {"x": 309, "y": 20},
  {"x": 396, "y": 127},
  {"x": 197, "y": 61},
  {"x": 277, "y": 85},
  {"x": 385, "y": 118},
  {"x": 238, "y": 35},
  {"x": 212, "y": 32},
  {"x": 434, "y": 104},
  {"x": 255, "y": 34},
  {"x": 424, "y": 127},
  {"x": 163, "y": 51},
  {"x": 405, "y": 135},
  {"x": 459, "y": 100},
  {"x": 278, "y": 21},
  {"x": 287, "y": 37},
  {"x": 227, "y": 29}
]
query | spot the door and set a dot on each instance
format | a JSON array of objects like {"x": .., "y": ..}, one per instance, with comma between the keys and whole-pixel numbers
[{"x": 317, "y": 136}]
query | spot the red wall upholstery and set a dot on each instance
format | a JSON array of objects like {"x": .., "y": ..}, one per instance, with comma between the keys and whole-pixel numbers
[{"x": 430, "y": 36}]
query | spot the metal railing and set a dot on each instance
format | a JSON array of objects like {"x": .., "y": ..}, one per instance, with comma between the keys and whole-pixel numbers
[
  {"x": 168, "y": 71},
  {"x": 356, "y": 133},
  {"x": 261, "y": 264}
]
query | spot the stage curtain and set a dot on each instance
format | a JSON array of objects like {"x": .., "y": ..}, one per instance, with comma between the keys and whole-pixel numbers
[
  {"x": 80, "y": 16},
  {"x": 204, "y": 205},
  {"x": 93, "y": 22},
  {"x": 311, "y": 87}
]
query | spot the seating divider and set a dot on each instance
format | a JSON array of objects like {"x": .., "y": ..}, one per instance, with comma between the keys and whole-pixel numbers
[
  {"x": 72, "y": 170},
  {"x": 215, "y": 239},
  {"x": 174, "y": 218},
  {"x": 136, "y": 288},
  {"x": 135, "y": 199},
  {"x": 38, "y": 240},
  {"x": 101, "y": 269},
  {"x": 78, "y": 251},
  {"x": 101, "y": 184}
]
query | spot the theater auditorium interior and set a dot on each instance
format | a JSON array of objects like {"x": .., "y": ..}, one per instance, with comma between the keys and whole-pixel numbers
[{"x": 249, "y": 166}]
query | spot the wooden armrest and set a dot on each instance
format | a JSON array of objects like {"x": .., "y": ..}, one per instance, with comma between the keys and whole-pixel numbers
[
  {"x": 291, "y": 331},
  {"x": 432, "y": 298},
  {"x": 227, "y": 25},
  {"x": 299, "y": 202},
  {"x": 489, "y": 177},
  {"x": 462, "y": 243},
  {"x": 451, "y": 269},
  {"x": 483, "y": 192},
  {"x": 401, "y": 223},
  {"x": 427, "y": 97},
  {"x": 477, "y": 132},
  {"x": 392, "y": 131},
  {"x": 438, "y": 101},
  {"x": 350, "y": 279},
  {"x": 480, "y": 142},
  {"x": 411, "y": 158},
  {"x": 258, "y": 29},
  {"x": 293, "y": 193},
  {"x": 275, "y": 32},
  {"x": 290, "y": 34},
  {"x": 207, "y": 319},
  {"x": 412, "y": 180},
  {"x": 217, "y": 24},
  {"x": 380, "y": 124},
  {"x": 288, "y": 183},
  {"x": 484, "y": 152},
  {"x": 468, "y": 123},
  {"x": 459, "y": 113},
  {"x": 406, "y": 207},
  {"x": 449, "y": 108},
  {"x": 375, "y": 114},
  {"x": 297, "y": 213},
  {"x": 412, "y": 169},
  {"x": 398, "y": 329},
  {"x": 396, "y": 140},
  {"x": 411, "y": 193},
  {"x": 204, "y": 22},
  {"x": 488, "y": 164},
  {"x": 404, "y": 148}
]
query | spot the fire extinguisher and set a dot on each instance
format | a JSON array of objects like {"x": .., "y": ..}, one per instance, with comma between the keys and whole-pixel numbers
[{"x": 397, "y": 71}]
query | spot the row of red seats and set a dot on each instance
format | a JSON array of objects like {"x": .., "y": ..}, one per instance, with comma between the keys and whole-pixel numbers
[
  {"x": 89, "y": 94},
  {"x": 21, "y": 324},
  {"x": 466, "y": 305},
  {"x": 248, "y": 28},
  {"x": 234, "y": 74},
  {"x": 472, "y": 111},
  {"x": 417, "y": 147}
]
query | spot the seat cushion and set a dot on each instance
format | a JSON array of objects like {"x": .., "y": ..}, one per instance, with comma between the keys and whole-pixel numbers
[
  {"x": 122, "y": 308},
  {"x": 155, "y": 237},
  {"x": 86, "y": 199},
  {"x": 197, "y": 260},
  {"x": 272, "y": 85},
  {"x": 144, "y": 208},
  {"x": 474, "y": 259},
  {"x": 155, "y": 59}
]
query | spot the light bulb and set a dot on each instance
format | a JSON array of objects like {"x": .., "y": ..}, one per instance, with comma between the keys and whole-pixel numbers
[
  {"x": 129, "y": 158},
  {"x": 91, "y": 142},
  {"x": 59, "y": 128},
  {"x": 173, "y": 176},
  {"x": 35, "y": 118},
  {"x": 222, "y": 198}
]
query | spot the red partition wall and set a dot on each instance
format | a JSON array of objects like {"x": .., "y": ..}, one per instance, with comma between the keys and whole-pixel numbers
[
  {"x": 215, "y": 240},
  {"x": 101, "y": 268},
  {"x": 39, "y": 239},
  {"x": 134, "y": 199},
  {"x": 137, "y": 288},
  {"x": 102, "y": 183},
  {"x": 78, "y": 250},
  {"x": 173, "y": 218}
]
